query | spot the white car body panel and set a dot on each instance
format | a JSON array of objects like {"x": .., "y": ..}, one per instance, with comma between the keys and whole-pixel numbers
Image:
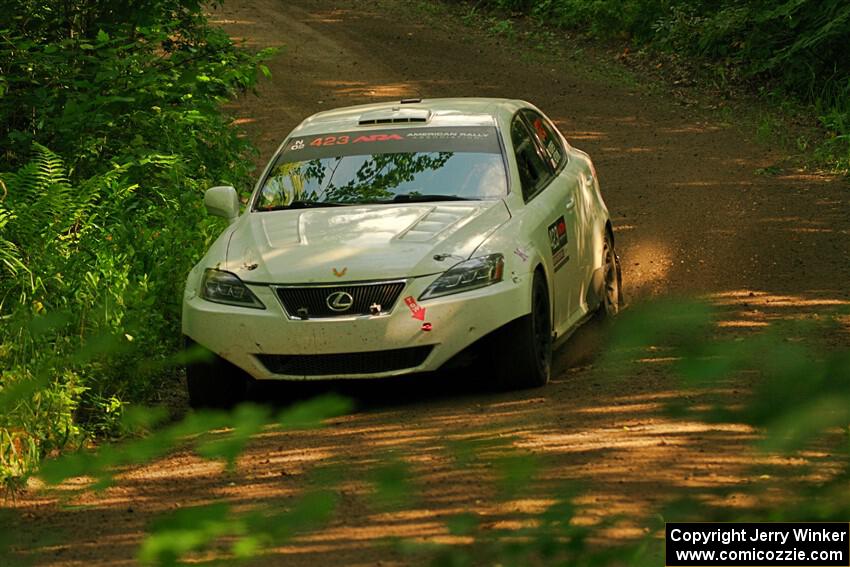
[
  {"x": 370, "y": 242},
  {"x": 237, "y": 337},
  {"x": 414, "y": 242}
]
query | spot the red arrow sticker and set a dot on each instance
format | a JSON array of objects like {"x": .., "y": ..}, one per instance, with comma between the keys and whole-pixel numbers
[{"x": 415, "y": 310}]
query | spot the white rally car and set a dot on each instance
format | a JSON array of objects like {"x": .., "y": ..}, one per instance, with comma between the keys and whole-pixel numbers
[{"x": 387, "y": 239}]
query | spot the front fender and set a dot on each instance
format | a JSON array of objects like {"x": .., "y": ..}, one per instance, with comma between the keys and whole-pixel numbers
[{"x": 522, "y": 260}]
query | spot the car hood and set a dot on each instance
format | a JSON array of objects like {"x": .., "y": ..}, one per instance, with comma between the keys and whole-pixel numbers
[{"x": 363, "y": 242}]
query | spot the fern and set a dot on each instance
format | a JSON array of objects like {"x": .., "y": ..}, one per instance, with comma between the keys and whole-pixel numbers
[
  {"x": 41, "y": 197},
  {"x": 44, "y": 171},
  {"x": 10, "y": 257}
]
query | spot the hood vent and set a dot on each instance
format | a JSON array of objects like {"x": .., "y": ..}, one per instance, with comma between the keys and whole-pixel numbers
[{"x": 395, "y": 115}]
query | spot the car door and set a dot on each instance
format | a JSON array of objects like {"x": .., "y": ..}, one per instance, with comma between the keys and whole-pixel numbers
[
  {"x": 564, "y": 228},
  {"x": 579, "y": 179},
  {"x": 550, "y": 203}
]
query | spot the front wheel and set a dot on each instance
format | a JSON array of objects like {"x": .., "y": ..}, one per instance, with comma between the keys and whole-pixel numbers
[
  {"x": 522, "y": 354},
  {"x": 213, "y": 382}
]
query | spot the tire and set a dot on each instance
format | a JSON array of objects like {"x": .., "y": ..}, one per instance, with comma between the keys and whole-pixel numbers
[
  {"x": 521, "y": 355},
  {"x": 612, "y": 280},
  {"x": 214, "y": 382}
]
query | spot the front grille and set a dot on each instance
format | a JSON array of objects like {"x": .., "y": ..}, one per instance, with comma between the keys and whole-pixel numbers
[
  {"x": 348, "y": 363},
  {"x": 312, "y": 301}
]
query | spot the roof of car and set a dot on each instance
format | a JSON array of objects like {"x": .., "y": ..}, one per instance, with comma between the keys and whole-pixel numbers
[{"x": 411, "y": 113}]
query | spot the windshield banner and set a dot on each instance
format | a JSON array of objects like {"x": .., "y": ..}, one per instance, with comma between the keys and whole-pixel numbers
[{"x": 473, "y": 139}]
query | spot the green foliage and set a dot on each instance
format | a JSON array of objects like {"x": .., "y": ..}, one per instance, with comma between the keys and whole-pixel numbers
[
  {"x": 799, "y": 392},
  {"x": 392, "y": 483},
  {"x": 217, "y": 436},
  {"x": 109, "y": 112},
  {"x": 188, "y": 530},
  {"x": 797, "y": 397},
  {"x": 199, "y": 429},
  {"x": 797, "y": 48}
]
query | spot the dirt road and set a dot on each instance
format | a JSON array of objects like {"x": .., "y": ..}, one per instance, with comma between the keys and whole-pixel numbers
[{"x": 692, "y": 216}]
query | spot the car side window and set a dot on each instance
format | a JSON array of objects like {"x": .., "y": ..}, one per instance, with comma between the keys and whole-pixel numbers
[
  {"x": 549, "y": 139},
  {"x": 534, "y": 172}
]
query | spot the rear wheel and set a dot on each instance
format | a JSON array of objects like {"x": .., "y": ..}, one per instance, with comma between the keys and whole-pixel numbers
[
  {"x": 522, "y": 353},
  {"x": 612, "y": 280},
  {"x": 213, "y": 382}
]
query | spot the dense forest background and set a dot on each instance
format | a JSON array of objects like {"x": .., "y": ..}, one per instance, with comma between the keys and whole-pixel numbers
[
  {"x": 791, "y": 53},
  {"x": 111, "y": 131}
]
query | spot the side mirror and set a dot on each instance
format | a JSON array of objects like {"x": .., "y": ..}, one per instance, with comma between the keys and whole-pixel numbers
[{"x": 222, "y": 202}]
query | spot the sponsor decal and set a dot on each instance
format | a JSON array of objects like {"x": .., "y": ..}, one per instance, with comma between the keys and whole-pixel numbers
[
  {"x": 541, "y": 131},
  {"x": 522, "y": 254},
  {"x": 340, "y": 273},
  {"x": 554, "y": 151},
  {"x": 558, "y": 242},
  {"x": 426, "y": 135},
  {"x": 560, "y": 258},
  {"x": 480, "y": 139},
  {"x": 416, "y": 311},
  {"x": 344, "y": 140}
]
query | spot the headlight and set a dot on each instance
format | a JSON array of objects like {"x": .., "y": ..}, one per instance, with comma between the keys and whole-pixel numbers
[
  {"x": 472, "y": 274},
  {"x": 223, "y": 287}
]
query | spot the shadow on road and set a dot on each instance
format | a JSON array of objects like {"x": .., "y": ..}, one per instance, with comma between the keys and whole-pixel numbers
[{"x": 467, "y": 382}]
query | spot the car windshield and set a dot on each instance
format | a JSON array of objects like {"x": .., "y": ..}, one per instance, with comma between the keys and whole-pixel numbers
[{"x": 387, "y": 166}]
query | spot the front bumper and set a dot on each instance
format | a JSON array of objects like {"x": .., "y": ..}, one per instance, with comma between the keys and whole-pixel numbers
[{"x": 267, "y": 344}]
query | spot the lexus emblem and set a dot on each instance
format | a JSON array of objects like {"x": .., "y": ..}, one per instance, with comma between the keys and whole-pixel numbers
[{"x": 339, "y": 301}]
